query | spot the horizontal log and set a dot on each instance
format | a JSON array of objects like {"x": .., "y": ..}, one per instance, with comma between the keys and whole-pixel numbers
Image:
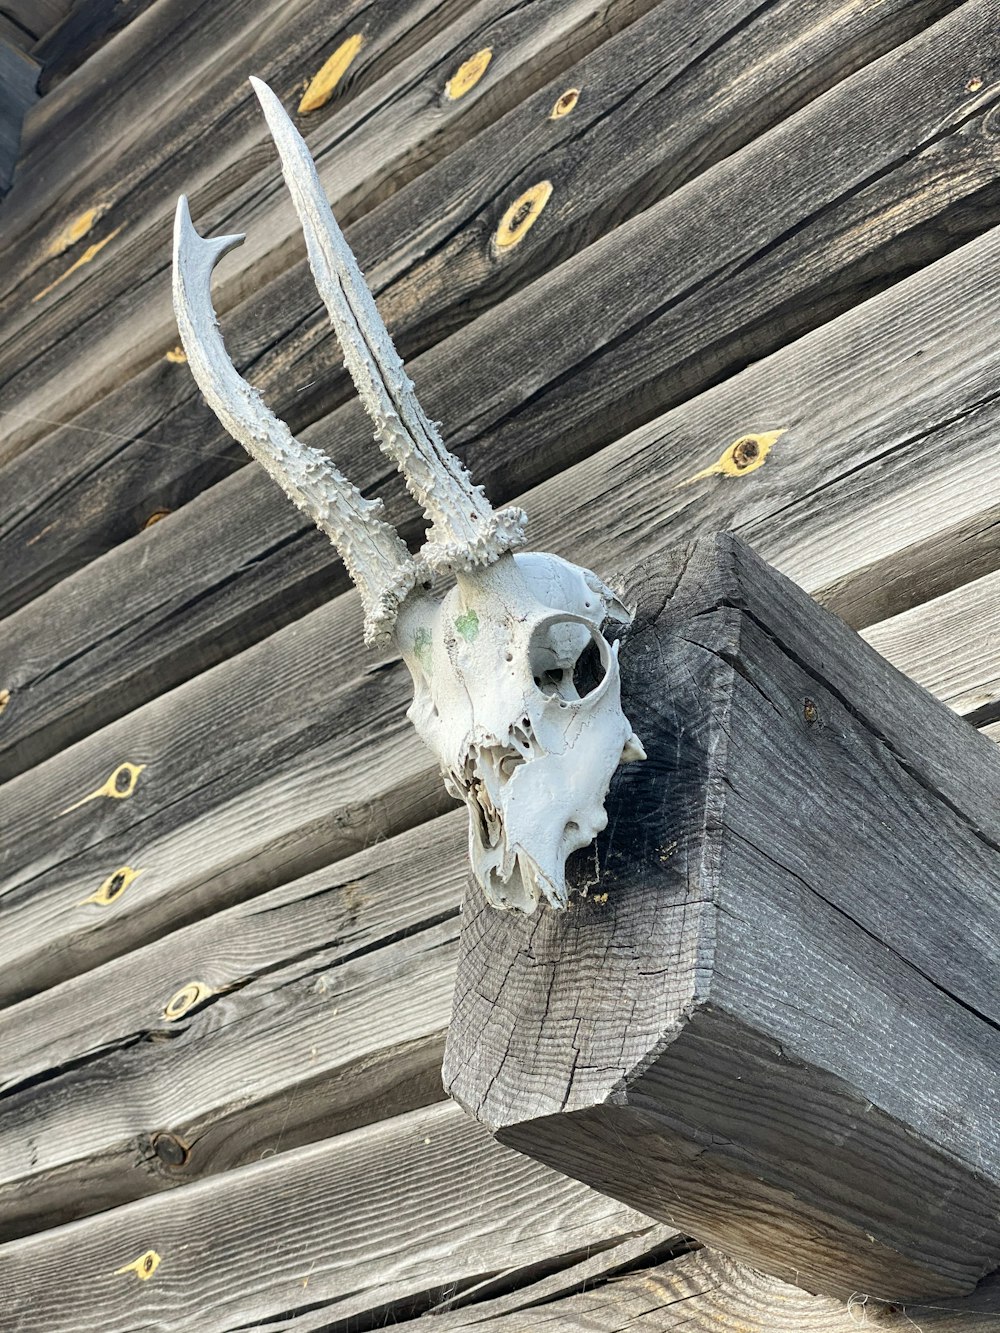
[
  {"x": 119, "y": 632},
  {"x": 387, "y": 134},
  {"x": 959, "y": 659},
  {"x": 321, "y": 1229},
  {"x": 321, "y": 1006},
  {"x": 705, "y": 1292},
  {"x": 259, "y": 565},
  {"x": 705, "y": 1035},
  {"x": 719, "y": 80}
]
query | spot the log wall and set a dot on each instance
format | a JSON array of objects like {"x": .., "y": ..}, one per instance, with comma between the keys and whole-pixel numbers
[{"x": 763, "y": 294}]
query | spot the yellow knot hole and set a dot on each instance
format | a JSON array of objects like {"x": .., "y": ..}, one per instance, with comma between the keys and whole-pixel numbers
[
  {"x": 74, "y": 231},
  {"x": 177, "y": 356},
  {"x": 113, "y": 887},
  {"x": 324, "y": 82},
  {"x": 144, "y": 1267},
  {"x": 565, "y": 103},
  {"x": 91, "y": 252},
  {"x": 4, "y": 699},
  {"x": 119, "y": 786},
  {"x": 522, "y": 215},
  {"x": 468, "y": 74},
  {"x": 974, "y": 84},
  {"x": 185, "y": 999},
  {"x": 744, "y": 455},
  {"x": 155, "y": 517}
]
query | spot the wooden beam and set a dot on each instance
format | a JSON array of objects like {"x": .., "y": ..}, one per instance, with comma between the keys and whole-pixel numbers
[
  {"x": 772, "y": 1018},
  {"x": 319, "y": 1232}
]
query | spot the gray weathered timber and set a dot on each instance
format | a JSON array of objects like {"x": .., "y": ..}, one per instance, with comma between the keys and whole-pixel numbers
[
  {"x": 660, "y": 103},
  {"x": 959, "y": 660},
  {"x": 325, "y": 1228},
  {"x": 388, "y": 133},
  {"x": 18, "y": 80},
  {"x": 120, "y": 631},
  {"x": 774, "y": 1019},
  {"x": 322, "y": 1006},
  {"x": 705, "y": 1292}
]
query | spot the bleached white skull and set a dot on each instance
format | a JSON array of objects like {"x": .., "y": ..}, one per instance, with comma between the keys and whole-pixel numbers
[{"x": 516, "y": 690}]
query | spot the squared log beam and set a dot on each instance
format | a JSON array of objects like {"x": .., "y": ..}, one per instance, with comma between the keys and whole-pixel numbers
[{"x": 771, "y": 1014}]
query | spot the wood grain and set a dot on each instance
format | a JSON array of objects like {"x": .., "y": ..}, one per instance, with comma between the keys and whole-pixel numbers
[
  {"x": 959, "y": 660},
  {"x": 324, "y": 1228},
  {"x": 326, "y": 1006},
  {"x": 705, "y": 1292},
  {"x": 80, "y": 347},
  {"x": 680, "y": 95},
  {"x": 705, "y": 1036}
]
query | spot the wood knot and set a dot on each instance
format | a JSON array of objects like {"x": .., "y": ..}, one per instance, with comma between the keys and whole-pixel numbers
[
  {"x": 184, "y": 1000},
  {"x": 156, "y": 516},
  {"x": 113, "y": 887},
  {"x": 522, "y": 215},
  {"x": 810, "y": 712},
  {"x": 324, "y": 83},
  {"x": 144, "y": 1267},
  {"x": 4, "y": 699},
  {"x": 119, "y": 786},
  {"x": 743, "y": 456},
  {"x": 468, "y": 74},
  {"x": 564, "y": 103},
  {"x": 171, "y": 1150}
]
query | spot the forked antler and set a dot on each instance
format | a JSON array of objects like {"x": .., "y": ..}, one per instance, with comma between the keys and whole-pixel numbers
[
  {"x": 377, "y": 560},
  {"x": 465, "y": 531}
]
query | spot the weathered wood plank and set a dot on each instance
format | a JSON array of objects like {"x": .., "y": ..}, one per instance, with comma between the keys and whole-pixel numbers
[
  {"x": 705, "y": 1036},
  {"x": 705, "y": 1292},
  {"x": 428, "y": 257},
  {"x": 387, "y": 134},
  {"x": 324, "y": 1006},
  {"x": 857, "y": 500},
  {"x": 952, "y": 646},
  {"x": 325, "y": 1228}
]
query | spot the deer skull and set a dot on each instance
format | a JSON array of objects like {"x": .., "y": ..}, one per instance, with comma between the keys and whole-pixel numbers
[{"x": 516, "y": 691}]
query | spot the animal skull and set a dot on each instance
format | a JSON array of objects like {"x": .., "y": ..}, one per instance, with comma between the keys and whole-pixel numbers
[{"x": 516, "y": 691}]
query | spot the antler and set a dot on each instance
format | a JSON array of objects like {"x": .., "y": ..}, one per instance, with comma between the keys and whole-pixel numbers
[
  {"x": 465, "y": 530},
  {"x": 377, "y": 560}
]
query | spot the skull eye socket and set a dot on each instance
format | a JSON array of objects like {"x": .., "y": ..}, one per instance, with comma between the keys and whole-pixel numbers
[{"x": 569, "y": 659}]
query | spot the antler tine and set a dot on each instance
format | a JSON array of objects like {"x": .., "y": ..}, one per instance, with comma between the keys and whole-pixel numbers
[
  {"x": 376, "y": 559},
  {"x": 465, "y": 530}
]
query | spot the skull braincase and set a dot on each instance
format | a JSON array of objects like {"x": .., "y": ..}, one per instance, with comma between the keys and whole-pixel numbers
[{"x": 517, "y": 693}]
